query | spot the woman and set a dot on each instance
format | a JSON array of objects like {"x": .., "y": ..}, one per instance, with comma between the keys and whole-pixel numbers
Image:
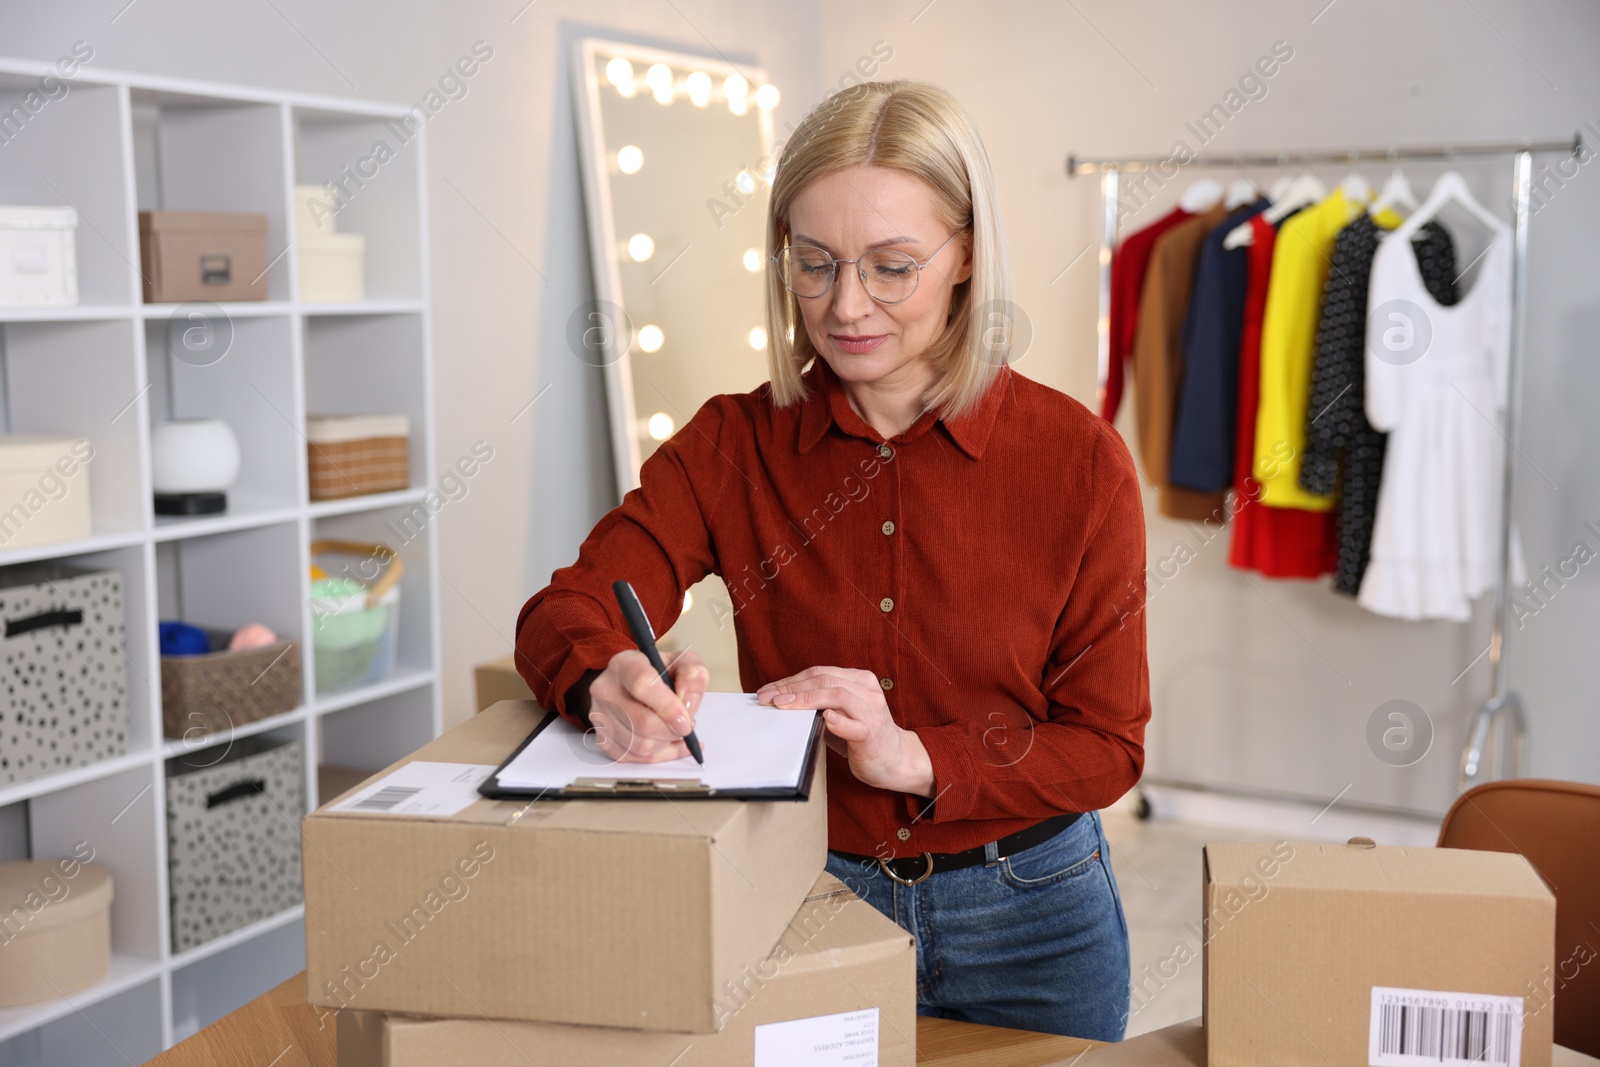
[{"x": 946, "y": 557}]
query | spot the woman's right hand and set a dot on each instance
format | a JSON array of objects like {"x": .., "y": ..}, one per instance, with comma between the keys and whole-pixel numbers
[{"x": 636, "y": 717}]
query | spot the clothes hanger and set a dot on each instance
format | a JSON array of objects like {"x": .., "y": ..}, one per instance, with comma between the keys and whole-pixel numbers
[
  {"x": 1240, "y": 193},
  {"x": 1395, "y": 192},
  {"x": 1450, "y": 188},
  {"x": 1304, "y": 190},
  {"x": 1280, "y": 187},
  {"x": 1355, "y": 187},
  {"x": 1201, "y": 196}
]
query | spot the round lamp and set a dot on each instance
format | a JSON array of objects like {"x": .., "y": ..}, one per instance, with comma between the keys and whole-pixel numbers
[{"x": 192, "y": 463}]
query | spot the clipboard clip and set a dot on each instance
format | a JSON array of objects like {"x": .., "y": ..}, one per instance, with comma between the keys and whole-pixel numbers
[{"x": 638, "y": 786}]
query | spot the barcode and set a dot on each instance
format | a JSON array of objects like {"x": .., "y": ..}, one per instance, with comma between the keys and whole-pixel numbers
[
  {"x": 1412, "y": 1027},
  {"x": 387, "y": 797}
]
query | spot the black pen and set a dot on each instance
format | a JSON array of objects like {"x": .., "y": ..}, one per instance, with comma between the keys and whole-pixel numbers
[{"x": 645, "y": 638}]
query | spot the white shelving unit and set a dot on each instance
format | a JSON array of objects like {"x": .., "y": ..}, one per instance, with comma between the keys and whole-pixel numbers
[{"x": 114, "y": 145}]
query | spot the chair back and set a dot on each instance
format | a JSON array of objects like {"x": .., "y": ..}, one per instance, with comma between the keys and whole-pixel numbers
[{"x": 1556, "y": 826}]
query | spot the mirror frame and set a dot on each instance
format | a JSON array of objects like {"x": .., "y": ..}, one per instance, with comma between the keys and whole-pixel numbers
[{"x": 616, "y": 340}]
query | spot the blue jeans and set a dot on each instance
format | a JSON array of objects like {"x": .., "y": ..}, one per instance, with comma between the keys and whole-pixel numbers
[{"x": 1036, "y": 941}]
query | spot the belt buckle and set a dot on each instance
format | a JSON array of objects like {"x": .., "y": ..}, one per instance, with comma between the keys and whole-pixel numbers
[{"x": 927, "y": 858}]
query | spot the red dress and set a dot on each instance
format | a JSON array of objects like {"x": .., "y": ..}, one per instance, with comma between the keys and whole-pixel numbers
[{"x": 1278, "y": 542}]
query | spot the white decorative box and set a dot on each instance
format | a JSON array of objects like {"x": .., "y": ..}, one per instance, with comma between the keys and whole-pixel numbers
[
  {"x": 38, "y": 255},
  {"x": 332, "y": 264},
  {"x": 44, "y": 489},
  {"x": 332, "y": 268}
]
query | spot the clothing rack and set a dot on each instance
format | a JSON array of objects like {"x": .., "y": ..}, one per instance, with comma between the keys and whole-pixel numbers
[{"x": 1501, "y": 716}]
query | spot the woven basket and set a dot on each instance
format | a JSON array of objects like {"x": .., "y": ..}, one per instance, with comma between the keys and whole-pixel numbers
[
  {"x": 356, "y": 455},
  {"x": 218, "y": 691}
]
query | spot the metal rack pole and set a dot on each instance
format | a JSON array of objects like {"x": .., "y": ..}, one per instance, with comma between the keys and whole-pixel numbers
[{"x": 1503, "y": 710}]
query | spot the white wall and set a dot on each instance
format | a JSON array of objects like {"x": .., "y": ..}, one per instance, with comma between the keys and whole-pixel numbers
[
  {"x": 1271, "y": 686},
  {"x": 509, "y": 251}
]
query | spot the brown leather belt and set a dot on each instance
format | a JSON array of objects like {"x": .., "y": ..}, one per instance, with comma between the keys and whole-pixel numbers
[{"x": 909, "y": 870}]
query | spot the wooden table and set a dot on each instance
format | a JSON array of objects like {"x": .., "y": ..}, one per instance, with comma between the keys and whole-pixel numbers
[{"x": 279, "y": 1029}]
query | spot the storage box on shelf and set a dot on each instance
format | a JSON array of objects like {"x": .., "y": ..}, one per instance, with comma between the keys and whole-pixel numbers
[
  {"x": 202, "y": 255},
  {"x": 38, "y": 256},
  {"x": 215, "y": 692},
  {"x": 331, "y": 264},
  {"x": 353, "y": 455},
  {"x": 44, "y": 497},
  {"x": 66, "y": 694},
  {"x": 233, "y": 840},
  {"x": 56, "y": 930}
]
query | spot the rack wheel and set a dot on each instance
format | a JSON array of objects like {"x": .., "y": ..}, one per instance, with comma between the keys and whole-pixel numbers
[{"x": 1142, "y": 810}]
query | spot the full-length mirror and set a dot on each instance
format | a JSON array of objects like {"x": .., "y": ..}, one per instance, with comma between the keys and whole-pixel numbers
[{"x": 677, "y": 154}]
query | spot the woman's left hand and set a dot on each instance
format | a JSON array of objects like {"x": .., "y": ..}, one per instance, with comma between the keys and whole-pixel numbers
[{"x": 859, "y": 725}]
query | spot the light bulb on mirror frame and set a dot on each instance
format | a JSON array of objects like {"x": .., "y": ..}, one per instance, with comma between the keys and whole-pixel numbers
[
  {"x": 698, "y": 85},
  {"x": 767, "y": 97},
  {"x": 630, "y": 159},
  {"x": 651, "y": 338},
  {"x": 752, "y": 260},
  {"x": 688, "y": 601},
  {"x": 758, "y": 338},
  {"x": 744, "y": 182},
  {"x": 619, "y": 72},
  {"x": 659, "y": 78},
  {"x": 659, "y": 426},
  {"x": 641, "y": 247}
]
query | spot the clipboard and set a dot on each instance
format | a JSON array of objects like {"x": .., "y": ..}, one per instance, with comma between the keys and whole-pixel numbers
[{"x": 665, "y": 787}]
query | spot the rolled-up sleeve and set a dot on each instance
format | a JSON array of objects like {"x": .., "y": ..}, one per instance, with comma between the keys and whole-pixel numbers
[{"x": 658, "y": 539}]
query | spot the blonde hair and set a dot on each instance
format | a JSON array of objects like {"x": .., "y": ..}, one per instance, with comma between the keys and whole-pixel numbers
[{"x": 920, "y": 129}]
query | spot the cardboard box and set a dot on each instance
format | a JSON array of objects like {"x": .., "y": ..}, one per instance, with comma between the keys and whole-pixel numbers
[
  {"x": 631, "y": 913},
  {"x": 838, "y": 957},
  {"x": 1184, "y": 1045},
  {"x": 1312, "y": 949},
  {"x": 202, "y": 255},
  {"x": 498, "y": 680}
]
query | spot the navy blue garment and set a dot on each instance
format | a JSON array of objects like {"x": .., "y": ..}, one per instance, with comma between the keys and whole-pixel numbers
[{"x": 1204, "y": 425}]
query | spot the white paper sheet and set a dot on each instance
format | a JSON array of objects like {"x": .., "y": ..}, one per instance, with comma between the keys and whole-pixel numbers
[
  {"x": 747, "y": 745},
  {"x": 421, "y": 787}
]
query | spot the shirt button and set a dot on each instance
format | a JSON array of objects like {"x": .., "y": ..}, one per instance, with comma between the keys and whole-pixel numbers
[
  {"x": 903, "y": 834},
  {"x": 888, "y": 527},
  {"x": 886, "y": 604},
  {"x": 887, "y": 683},
  {"x": 885, "y": 451}
]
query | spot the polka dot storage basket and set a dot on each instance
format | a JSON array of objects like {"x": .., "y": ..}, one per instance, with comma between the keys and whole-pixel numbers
[
  {"x": 355, "y": 610},
  {"x": 65, "y": 696},
  {"x": 233, "y": 835}
]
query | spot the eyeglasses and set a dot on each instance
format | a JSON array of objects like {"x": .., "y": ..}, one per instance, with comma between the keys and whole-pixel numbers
[{"x": 889, "y": 276}]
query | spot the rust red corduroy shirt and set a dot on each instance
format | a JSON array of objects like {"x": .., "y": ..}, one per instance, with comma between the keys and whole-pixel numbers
[{"x": 989, "y": 570}]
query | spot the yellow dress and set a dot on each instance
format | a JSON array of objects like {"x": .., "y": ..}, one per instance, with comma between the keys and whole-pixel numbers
[{"x": 1300, "y": 260}]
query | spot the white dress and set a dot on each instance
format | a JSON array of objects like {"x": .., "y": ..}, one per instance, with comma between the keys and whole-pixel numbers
[{"x": 1436, "y": 383}]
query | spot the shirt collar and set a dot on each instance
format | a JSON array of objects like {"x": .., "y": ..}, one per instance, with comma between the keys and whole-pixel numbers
[{"x": 827, "y": 405}]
